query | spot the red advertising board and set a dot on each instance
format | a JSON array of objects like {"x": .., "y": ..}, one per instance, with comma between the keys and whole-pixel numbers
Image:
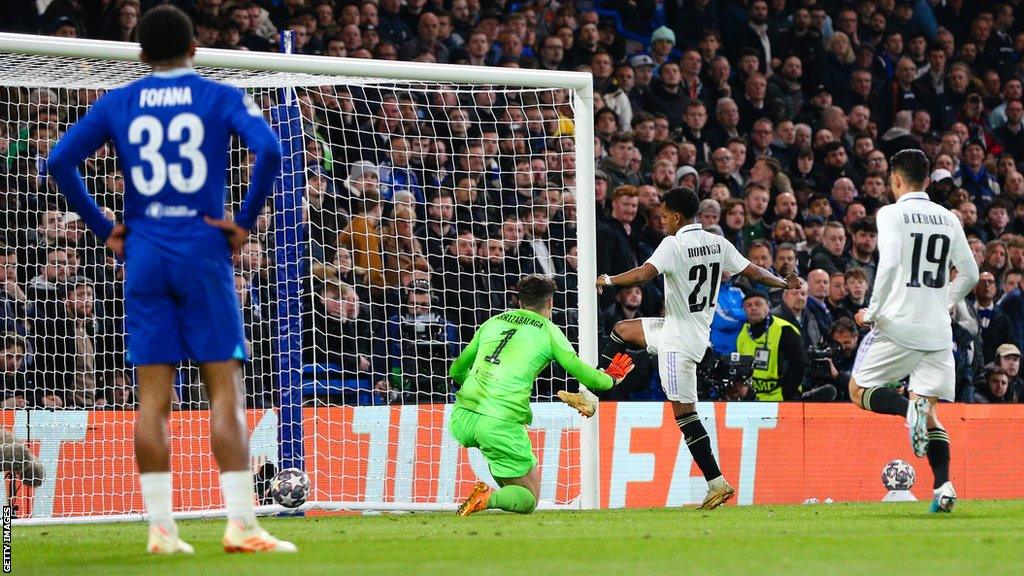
[{"x": 772, "y": 453}]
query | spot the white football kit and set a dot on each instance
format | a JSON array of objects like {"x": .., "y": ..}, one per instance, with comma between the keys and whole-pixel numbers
[
  {"x": 693, "y": 262},
  {"x": 918, "y": 242}
]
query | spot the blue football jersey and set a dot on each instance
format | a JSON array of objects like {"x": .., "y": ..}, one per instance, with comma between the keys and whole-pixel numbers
[{"x": 172, "y": 132}]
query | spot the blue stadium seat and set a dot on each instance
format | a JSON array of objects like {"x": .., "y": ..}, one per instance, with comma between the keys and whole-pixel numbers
[{"x": 328, "y": 380}]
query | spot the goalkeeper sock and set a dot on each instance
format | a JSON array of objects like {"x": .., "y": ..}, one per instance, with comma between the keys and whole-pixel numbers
[
  {"x": 884, "y": 400},
  {"x": 699, "y": 443},
  {"x": 938, "y": 455},
  {"x": 513, "y": 498},
  {"x": 156, "y": 494},
  {"x": 614, "y": 346},
  {"x": 238, "y": 492}
]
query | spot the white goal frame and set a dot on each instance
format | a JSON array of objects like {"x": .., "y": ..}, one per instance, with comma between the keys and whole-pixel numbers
[{"x": 580, "y": 85}]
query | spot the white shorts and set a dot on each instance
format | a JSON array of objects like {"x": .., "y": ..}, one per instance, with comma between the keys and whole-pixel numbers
[
  {"x": 678, "y": 370},
  {"x": 880, "y": 361}
]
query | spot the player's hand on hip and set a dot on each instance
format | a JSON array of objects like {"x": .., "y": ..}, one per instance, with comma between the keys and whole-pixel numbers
[
  {"x": 116, "y": 241},
  {"x": 236, "y": 235},
  {"x": 621, "y": 366},
  {"x": 792, "y": 281},
  {"x": 859, "y": 318}
]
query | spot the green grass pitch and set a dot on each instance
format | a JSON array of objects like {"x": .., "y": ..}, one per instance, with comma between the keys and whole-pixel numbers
[{"x": 979, "y": 538}]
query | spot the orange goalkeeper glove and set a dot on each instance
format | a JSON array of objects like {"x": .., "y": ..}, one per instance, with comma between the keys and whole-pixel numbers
[{"x": 621, "y": 365}]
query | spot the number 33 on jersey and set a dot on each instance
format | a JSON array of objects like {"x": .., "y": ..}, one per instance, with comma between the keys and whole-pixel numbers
[{"x": 172, "y": 130}]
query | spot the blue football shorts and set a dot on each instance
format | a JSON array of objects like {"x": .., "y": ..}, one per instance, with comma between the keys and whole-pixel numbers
[{"x": 179, "y": 309}]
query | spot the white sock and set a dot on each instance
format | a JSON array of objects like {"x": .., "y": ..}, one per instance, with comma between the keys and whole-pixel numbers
[
  {"x": 156, "y": 494},
  {"x": 239, "y": 496}
]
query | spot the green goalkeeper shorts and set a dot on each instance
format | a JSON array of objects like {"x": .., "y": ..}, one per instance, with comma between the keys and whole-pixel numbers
[{"x": 505, "y": 445}]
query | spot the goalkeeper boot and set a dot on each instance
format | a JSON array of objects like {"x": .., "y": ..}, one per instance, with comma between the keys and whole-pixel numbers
[
  {"x": 164, "y": 540},
  {"x": 719, "y": 492},
  {"x": 577, "y": 400},
  {"x": 917, "y": 421},
  {"x": 945, "y": 498},
  {"x": 477, "y": 500},
  {"x": 251, "y": 537}
]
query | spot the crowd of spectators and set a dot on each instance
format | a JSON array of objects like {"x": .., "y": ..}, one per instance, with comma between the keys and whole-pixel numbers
[{"x": 424, "y": 207}]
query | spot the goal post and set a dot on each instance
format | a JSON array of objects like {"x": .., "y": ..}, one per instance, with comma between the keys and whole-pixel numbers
[{"x": 372, "y": 442}]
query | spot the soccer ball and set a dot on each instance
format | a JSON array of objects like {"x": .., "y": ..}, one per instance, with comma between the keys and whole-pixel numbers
[
  {"x": 898, "y": 475},
  {"x": 290, "y": 487}
]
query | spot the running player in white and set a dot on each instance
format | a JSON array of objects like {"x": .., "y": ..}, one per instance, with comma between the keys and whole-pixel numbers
[
  {"x": 918, "y": 241},
  {"x": 693, "y": 262}
]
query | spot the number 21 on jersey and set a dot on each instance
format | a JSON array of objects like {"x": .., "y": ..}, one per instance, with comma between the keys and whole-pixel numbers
[{"x": 701, "y": 274}]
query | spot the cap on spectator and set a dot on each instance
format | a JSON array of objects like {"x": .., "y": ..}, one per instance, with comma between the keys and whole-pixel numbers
[
  {"x": 358, "y": 169},
  {"x": 932, "y": 136},
  {"x": 601, "y": 175},
  {"x": 940, "y": 174},
  {"x": 975, "y": 142},
  {"x": 866, "y": 48},
  {"x": 820, "y": 89},
  {"x": 75, "y": 281},
  {"x": 60, "y": 22},
  {"x": 641, "y": 60},
  {"x": 813, "y": 219},
  {"x": 1007, "y": 350},
  {"x": 70, "y": 217},
  {"x": 754, "y": 294},
  {"x": 684, "y": 170},
  {"x": 314, "y": 169},
  {"x": 664, "y": 33},
  {"x": 709, "y": 206}
]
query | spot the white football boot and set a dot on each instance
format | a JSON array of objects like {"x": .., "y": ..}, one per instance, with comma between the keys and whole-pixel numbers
[
  {"x": 239, "y": 537},
  {"x": 917, "y": 421},
  {"x": 164, "y": 540},
  {"x": 945, "y": 498}
]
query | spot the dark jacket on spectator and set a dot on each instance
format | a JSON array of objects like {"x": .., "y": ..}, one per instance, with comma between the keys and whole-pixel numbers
[
  {"x": 669, "y": 103},
  {"x": 810, "y": 331},
  {"x": 1007, "y": 326},
  {"x": 617, "y": 176},
  {"x": 687, "y": 20},
  {"x": 822, "y": 258},
  {"x": 330, "y": 340},
  {"x": 1013, "y": 142},
  {"x": 56, "y": 350}
]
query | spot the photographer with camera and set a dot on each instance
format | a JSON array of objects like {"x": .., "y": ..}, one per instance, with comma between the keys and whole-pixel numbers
[
  {"x": 726, "y": 378},
  {"x": 832, "y": 365},
  {"x": 778, "y": 351}
]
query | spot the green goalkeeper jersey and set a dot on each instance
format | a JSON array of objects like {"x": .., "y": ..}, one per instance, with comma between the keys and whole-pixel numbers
[{"x": 497, "y": 369}]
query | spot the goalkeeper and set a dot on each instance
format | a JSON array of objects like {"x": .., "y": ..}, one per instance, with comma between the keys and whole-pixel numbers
[{"x": 492, "y": 408}]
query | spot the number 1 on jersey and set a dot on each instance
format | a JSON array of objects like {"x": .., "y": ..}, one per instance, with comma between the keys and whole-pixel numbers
[{"x": 494, "y": 357}]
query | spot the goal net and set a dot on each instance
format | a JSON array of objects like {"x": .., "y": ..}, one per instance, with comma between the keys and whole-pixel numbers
[{"x": 413, "y": 198}]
